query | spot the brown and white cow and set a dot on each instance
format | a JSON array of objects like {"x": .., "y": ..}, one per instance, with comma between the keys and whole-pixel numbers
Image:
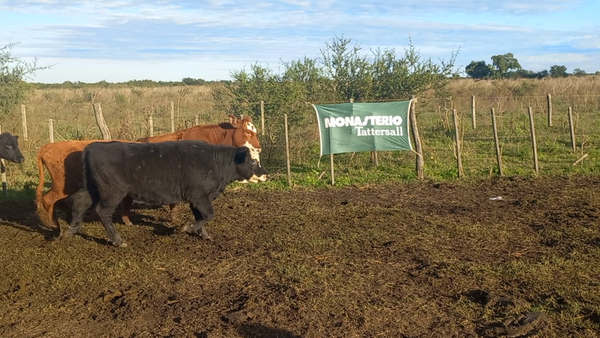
[
  {"x": 236, "y": 132},
  {"x": 64, "y": 164}
]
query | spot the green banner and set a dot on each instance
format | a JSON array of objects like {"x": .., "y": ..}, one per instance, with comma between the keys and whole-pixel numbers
[{"x": 355, "y": 127}]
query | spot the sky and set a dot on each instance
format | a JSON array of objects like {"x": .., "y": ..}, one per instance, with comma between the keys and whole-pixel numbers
[{"x": 168, "y": 40}]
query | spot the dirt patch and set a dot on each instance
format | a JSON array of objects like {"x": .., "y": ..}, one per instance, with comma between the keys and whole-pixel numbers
[{"x": 454, "y": 259}]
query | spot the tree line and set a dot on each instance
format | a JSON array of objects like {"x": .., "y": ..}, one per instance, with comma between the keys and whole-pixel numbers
[
  {"x": 188, "y": 81},
  {"x": 506, "y": 66}
]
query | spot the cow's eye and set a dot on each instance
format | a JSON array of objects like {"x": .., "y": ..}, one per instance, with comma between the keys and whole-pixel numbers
[{"x": 9, "y": 146}]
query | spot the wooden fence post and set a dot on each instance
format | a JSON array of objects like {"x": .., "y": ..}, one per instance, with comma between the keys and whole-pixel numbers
[
  {"x": 262, "y": 117},
  {"x": 498, "y": 155},
  {"x": 24, "y": 118},
  {"x": 331, "y": 159},
  {"x": 332, "y": 170},
  {"x": 417, "y": 140},
  {"x": 287, "y": 151},
  {"x": 549, "y": 110},
  {"x": 51, "y": 130},
  {"x": 150, "y": 125},
  {"x": 533, "y": 143},
  {"x": 100, "y": 121},
  {"x": 375, "y": 158},
  {"x": 461, "y": 173},
  {"x": 172, "y": 117},
  {"x": 473, "y": 116},
  {"x": 572, "y": 128}
]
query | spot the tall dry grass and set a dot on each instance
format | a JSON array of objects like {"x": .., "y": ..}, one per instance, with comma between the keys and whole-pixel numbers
[
  {"x": 125, "y": 111},
  {"x": 581, "y": 93}
]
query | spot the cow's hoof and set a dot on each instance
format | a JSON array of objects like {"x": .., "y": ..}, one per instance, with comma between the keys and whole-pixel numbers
[
  {"x": 187, "y": 228},
  {"x": 120, "y": 245},
  {"x": 66, "y": 234}
]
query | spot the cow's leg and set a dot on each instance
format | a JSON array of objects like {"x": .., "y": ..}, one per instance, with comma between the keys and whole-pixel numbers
[
  {"x": 203, "y": 212},
  {"x": 174, "y": 213},
  {"x": 48, "y": 202},
  {"x": 105, "y": 210},
  {"x": 127, "y": 202},
  {"x": 82, "y": 201}
]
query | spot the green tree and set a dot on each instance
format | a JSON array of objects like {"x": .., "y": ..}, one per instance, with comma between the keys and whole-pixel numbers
[
  {"x": 305, "y": 81},
  {"x": 348, "y": 68},
  {"x": 385, "y": 75},
  {"x": 558, "y": 71},
  {"x": 504, "y": 63},
  {"x": 13, "y": 72},
  {"x": 523, "y": 73},
  {"x": 542, "y": 74},
  {"x": 579, "y": 72},
  {"x": 193, "y": 82},
  {"x": 479, "y": 70},
  {"x": 249, "y": 88},
  {"x": 416, "y": 75}
]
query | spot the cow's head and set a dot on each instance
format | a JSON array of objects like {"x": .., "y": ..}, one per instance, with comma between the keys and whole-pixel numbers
[
  {"x": 9, "y": 148},
  {"x": 248, "y": 164},
  {"x": 245, "y": 132}
]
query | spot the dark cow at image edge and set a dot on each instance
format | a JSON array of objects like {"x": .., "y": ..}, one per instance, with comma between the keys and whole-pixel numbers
[{"x": 9, "y": 148}]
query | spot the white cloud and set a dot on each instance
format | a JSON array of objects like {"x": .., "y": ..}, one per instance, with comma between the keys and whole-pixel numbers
[
  {"x": 170, "y": 33},
  {"x": 95, "y": 70},
  {"x": 540, "y": 62}
]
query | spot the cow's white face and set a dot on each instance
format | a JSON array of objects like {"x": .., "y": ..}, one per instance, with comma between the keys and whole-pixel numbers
[
  {"x": 251, "y": 127},
  {"x": 254, "y": 154}
]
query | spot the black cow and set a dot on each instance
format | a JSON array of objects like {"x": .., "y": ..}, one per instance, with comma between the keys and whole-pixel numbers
[
  {"x": 9, "y": 148},
  {"x": 159, "y": 173}
]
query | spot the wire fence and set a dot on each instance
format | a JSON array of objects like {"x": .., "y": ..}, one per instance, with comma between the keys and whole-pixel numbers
[{"x": 127, "y": 115}]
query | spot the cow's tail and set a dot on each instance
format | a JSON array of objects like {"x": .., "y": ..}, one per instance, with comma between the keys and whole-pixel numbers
[
  {"x": 88, "y": 179},
  {"x": 41, "y": 209}
]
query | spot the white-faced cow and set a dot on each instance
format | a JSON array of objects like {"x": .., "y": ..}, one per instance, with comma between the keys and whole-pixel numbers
[
  {"x": 159, "y": 173},
  {"x": 9, "y": 148}
]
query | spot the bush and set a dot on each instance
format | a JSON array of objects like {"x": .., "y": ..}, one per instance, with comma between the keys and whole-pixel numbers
[{"x": 13, "y": 71}]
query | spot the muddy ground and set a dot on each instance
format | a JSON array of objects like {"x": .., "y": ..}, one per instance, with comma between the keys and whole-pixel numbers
[{"x": 413, "y": 260}]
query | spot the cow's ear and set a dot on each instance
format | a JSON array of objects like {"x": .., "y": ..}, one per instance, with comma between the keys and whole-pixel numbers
[
  {"x": 233, "y": 120},
  {"x": 16, "y": 137},
  {"x": 240, "y": 155}
]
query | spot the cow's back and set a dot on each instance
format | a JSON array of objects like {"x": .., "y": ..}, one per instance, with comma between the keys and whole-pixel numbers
[
  {"x": 156, "y": 173},
  {"x": 162, "y": 138},
  {"x": 215, "y": 134},
  {"x": 63, "y": 162}
]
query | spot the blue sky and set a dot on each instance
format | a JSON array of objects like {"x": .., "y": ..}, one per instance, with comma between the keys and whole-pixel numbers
[{"x": 167, "y": 40}]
